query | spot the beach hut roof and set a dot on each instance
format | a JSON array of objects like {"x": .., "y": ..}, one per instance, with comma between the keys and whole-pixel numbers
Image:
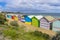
[
  {"x": 34, "y": 18},
  {"x": 30, "y": 16},
  {"x": 49, "y": 18},
  {"x": 37, "y": 16},
  {"x": 27, "y": 19}
]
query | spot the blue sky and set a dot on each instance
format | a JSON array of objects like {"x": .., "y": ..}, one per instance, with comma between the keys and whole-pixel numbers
[{"x": 29, "y": 6}]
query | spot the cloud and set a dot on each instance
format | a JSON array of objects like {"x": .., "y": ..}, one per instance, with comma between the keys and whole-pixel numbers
[{"x": 42, "y": 5}]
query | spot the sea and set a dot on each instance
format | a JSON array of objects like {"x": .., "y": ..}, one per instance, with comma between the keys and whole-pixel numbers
[{"x": 56, "y": 15}]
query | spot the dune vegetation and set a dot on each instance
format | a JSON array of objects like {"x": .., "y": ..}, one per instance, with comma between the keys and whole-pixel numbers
[{"x": 13, "y": 31}]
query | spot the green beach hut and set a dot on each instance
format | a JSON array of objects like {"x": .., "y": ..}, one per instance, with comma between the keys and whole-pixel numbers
[{"x": 35, "y": 22}]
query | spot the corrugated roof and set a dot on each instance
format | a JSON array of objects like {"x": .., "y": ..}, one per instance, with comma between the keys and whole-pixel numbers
[{"x": 50, "y": 18}]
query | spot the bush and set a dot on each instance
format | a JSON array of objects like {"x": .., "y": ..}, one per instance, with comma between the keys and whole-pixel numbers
[
  {"x": 57, "y": 37},
  {"x": 14, "y": 23},
  {"x": 46, "y": 36},
  {"x": 11, "y": 33},
  {"x": 40, "y": 34},
  {"x": 37, "y": 33}
]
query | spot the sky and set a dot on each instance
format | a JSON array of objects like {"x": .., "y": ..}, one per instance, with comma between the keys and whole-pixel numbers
[{"x": 30, "y": 6}]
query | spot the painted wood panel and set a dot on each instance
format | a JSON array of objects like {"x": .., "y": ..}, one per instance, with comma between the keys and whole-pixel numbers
[
  {"x": 28, "y": 23},
  {"x": 27, "y": 19},
  {"x": 35, "y": 22},
  {"x": 44, "y": 24},
  {"x": 56, "y": 25}
]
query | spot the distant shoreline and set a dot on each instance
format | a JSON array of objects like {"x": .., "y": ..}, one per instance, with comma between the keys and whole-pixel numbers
[{"x": 44, "y": 14}]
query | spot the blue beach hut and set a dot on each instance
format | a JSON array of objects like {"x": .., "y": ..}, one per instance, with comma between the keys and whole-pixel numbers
[{"x": 27, "y": 20}]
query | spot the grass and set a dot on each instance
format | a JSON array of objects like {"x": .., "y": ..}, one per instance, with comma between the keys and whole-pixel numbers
[
  {"x": 18, "y": 32},
  {"x": 21, "y": 34}
]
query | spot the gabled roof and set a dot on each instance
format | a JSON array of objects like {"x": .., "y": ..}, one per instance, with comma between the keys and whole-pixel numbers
[
  {"x": 37, "y": 16},
  {"x": 49, "y": 18},
  {"x": 34, "y": 18}
]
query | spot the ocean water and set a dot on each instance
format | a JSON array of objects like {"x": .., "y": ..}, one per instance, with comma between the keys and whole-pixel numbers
[{"x": 56, "y": 15}]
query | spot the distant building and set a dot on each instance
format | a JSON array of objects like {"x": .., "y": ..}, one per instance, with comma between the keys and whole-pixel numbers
[
  {"x": 56, "y": 25},
  {"x": 46, "y": 22},
  {"x": 35, "y": 22}
]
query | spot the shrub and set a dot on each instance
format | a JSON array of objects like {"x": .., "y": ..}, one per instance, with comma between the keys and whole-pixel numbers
[
  {"x": 57, "y": 37},
  {"x": 14, "y": 23},
  {"x": 37, "y": 33},
  {"x": 2, "y": 18},
  {"x": 40, "y": 34},
  {"x": 46, "y": 36},
  {"x": 12, "y": 33}
]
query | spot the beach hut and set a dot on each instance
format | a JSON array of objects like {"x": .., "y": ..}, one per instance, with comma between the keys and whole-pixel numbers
[
  {"x": 56, "y": 25},
  {"x": 8, "y": 16},
  {"x": 27, "y": 20},
  {"x": 15, "y": 18},
  {"x": 35, "y": 22},
  {"x": 21, "y": 18},
  {"x": 46, "y": 22}
]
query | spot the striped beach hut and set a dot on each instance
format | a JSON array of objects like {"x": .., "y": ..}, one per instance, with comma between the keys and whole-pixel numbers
[
  {"x": 46, "y": 22},
  {"x": 22, "y": 18},
  {"x": 19, "y": 17}
]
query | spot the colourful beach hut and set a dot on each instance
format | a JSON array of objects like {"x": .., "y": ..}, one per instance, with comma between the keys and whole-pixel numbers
[
  {"x": 35, "y": 22},
  {"x": 15, "y": 18},
  {"x": 19, "y": 17},
  {"x": 27, "y": 20},
  {"x": 56, "y": 25},
  {"x": 12, "y": 17},
  {"x": 9, "y": 16},
  {"x": 22, "y": 18},
  {"x": 46, "y": 22}
]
